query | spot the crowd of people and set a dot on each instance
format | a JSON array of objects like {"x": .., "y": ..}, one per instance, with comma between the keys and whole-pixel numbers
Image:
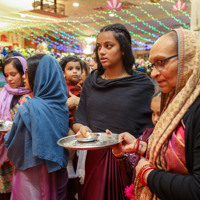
[{"x": 157, "y": 121}]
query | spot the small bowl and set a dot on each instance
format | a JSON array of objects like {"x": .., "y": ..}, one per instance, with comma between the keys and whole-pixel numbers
[{"x": 91, "y": 138}]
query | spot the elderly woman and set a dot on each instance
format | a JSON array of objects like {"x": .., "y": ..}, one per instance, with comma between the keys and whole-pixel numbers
[{"x": 172, "y": 168}]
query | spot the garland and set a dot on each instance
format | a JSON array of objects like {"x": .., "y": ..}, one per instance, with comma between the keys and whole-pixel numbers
[
  {"x": 140, "y": 64},
  {"x": 30, "y": 52}
]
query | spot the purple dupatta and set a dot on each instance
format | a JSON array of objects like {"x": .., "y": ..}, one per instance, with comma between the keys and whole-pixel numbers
[{"x": 6, "y": 96}]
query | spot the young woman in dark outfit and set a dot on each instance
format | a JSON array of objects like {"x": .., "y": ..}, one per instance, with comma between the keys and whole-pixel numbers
[{"x": 113, "y": 97}]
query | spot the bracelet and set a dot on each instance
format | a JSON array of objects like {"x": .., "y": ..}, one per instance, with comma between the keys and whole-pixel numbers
[
  {"x": 118, "y": 154},
  {"x": 83, "y": 127},
  {"x": 140, "y": 148},
  {"x": 137, "y": 146},
  {"x": 142, "y": 172},
  {"x": 141, "y": 178},
  {"x": 140, "y": 152}
]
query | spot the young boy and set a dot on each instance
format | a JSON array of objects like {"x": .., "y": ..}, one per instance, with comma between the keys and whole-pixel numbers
[{"x": 72, "y": 70}]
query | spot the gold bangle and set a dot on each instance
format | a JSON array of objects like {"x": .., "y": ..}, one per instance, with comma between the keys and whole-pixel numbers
[
  {"x": 140, "y": 148},
  {"x": 118, "y": 154}
]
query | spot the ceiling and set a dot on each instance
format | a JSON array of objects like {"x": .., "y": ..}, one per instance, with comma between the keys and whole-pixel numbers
[{"x": 146, "y": 21}]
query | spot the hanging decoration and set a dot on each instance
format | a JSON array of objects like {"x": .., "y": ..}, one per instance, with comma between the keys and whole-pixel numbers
[
  {"x": 179, "y": 5},
  {"x": 67, "y": 34},
  {"x": 114, "y": 5},
  {"x": 154, "y": 1},
  {"x": 3, "y": 38}
]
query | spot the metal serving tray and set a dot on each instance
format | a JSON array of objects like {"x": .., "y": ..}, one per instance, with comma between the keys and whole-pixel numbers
[
  {"x": 5, "y": 125},
  {"x": 103, "y": 140}
]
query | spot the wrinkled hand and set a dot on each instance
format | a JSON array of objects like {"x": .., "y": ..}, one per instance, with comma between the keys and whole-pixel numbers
[
  {"x": 116, "y": 148},
  {"x": 143, "y": 161},
  {"x": 128, "y": 144},
  {"x": 72, "y": 101}
]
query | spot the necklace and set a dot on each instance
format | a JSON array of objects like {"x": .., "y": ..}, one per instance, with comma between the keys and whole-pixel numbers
[{"x": 121, "y": 76}]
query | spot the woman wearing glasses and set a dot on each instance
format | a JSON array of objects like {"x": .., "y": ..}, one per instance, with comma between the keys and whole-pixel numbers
[{"x": 171, "y": 170}]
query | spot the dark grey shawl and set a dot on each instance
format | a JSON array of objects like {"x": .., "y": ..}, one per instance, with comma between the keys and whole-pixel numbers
[{"x": 120, "y": 105}]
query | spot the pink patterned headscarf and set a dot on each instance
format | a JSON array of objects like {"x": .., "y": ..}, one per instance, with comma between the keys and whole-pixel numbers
[{"x": 187, "y": 90}]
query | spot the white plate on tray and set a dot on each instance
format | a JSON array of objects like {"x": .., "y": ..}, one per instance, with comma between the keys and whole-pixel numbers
[
  {"x": 102, "y": 140},
  {"x": 5, "y": 125}
]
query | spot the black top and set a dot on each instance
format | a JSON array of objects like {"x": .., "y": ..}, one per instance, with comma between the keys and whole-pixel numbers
[
  {"x": 121, "y": 104},
  {"x": 170, "y": 186}
]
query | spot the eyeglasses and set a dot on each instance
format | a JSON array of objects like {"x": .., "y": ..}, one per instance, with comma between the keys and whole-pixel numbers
[{"x": 159, "y": 64}]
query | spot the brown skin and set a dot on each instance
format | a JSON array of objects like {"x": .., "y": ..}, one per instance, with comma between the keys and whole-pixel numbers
[
  {"x": 128, "y": 144},
  {"x": 13, "y": 77},
  {"x": 92, "y": 63},
  {"x": 26, "y": 82},
  {"x": 166, "y": 77},
  {"x": 72, "y": 101},
  {"x": 83, "y": 77},
  {"x": 72, "y": 72},
  {"x": 84, "y": 130},
  {"x": 110, "y": 57},
  {"x": 155, "y": 108}
]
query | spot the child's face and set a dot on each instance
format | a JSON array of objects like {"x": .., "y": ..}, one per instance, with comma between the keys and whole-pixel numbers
[
  {"x": 155, "y": 108},
  {"x": 92, "y": 63},
  {"x": 83, "y": 76},
  {"x": 72, "y": 72}
]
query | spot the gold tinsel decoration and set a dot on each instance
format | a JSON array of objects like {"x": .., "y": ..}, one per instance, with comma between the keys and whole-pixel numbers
[{"x": 154, "y": 1}]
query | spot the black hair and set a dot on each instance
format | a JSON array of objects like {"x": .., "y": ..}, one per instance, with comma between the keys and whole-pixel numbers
[
  {"x": 15, "y": 99},
  {"x": 32, "y": 64},
  {"x": 122, "y": 35},
  {"x": 85, "y": 67},
  {"x": 67, "y": 59},
  {"x": 11, "y": 54},
  {"x": 16, "y": 64}
]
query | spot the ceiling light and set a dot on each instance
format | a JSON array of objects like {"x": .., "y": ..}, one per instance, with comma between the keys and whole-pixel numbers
[
  {"x": 111, "y": 14},
  {"x": 90, "y": 39},
  {"x": 75, "y": 4}
]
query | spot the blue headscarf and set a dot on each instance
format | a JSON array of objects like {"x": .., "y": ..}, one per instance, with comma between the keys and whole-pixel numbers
[{"x": 41, "y": 121}]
